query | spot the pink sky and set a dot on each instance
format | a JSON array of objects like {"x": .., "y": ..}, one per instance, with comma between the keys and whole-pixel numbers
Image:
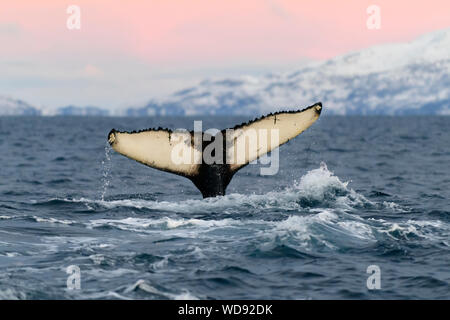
[
  {"x": 192, "y": 31},
  {"x": 153, "y": 47}
]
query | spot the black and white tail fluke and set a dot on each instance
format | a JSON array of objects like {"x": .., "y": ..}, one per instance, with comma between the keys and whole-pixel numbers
[
  {"x": 287, "y": 125},
  {"x": 156, "y": 147}
]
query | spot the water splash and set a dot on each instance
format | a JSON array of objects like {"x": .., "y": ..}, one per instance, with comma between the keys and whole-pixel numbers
[
  {"x": 146, "y": 287},
  {"x": 106, "y": 165},
  {"x": 318, "y": 188}
]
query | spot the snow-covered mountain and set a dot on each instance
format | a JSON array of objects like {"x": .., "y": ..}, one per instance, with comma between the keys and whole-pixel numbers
[
  {"x": 81, "y": 111},
  {"x": 14, "y": 107},
  {"x": 400, "y": 78}
]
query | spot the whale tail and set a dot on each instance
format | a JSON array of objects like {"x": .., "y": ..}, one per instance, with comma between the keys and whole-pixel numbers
[{"x": 182, "y": 152}]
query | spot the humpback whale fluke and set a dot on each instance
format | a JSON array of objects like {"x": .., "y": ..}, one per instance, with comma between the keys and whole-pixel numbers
[{"x": 155, "y": 147}]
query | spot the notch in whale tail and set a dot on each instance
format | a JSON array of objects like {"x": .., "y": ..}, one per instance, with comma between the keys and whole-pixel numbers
[{"x": 154, "y": 147}]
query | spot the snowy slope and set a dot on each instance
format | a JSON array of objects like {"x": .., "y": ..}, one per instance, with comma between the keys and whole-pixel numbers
[
  {"x": 401, "y": 78},
  {"x": 398, "y": 78},
  {"x": 12, "y": 107},
  {"x": 81, "y": 111}
]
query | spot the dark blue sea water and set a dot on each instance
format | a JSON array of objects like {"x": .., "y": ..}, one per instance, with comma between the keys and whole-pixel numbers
[{"x": 351, "y": 192}]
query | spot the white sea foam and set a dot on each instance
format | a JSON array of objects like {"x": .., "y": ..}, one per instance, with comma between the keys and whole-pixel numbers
[
  {"x": 98, "y": 259},
  {"x": 160, "y": 264},
  {"x": 52, "y": 220},
  {"x": 326, "y": 228},
  {"x": 321, "y": 208},
  {"x": 140, "y": 224},
  {"x": 395, "y": 207},
  {"x": 12, "y": 294},
  {"x": 10, "y": 254},
  {"x": 317, "y": 182},
  {"x": 318, "y": 185},
  {"x": 432, "y": 230},
  {"x": 102, "y": 274},
  {"x": 144, "y": 286}
]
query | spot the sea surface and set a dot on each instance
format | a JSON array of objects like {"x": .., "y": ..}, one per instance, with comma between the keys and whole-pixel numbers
[{"x": 351, "y": 192}]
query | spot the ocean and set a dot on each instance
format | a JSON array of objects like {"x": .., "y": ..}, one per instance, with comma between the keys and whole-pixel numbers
[{"x": 360, "y": 209}]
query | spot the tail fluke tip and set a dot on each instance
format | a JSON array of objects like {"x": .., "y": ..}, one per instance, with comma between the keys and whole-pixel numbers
[
  {"x": 318, "y": 107},
  {"x": 112, "y": 136}
]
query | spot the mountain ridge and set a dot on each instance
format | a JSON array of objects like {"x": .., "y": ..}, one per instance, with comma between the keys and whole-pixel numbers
[{"x": 393, "y": 79}]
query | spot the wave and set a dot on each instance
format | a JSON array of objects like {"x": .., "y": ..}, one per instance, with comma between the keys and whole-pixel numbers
[
  {"x": 319, "y": 188},
  {"x": 52, "y": 220},
  {"x": 318, "y": 211},
  {"x": 323, "y": 230},
  {"x": 12, "y": 294},
  {"x": 140, "y": 287},
  {"x": 163, "y": 223},
  {"x": 147, "y": 288},
  {"x": 432, "y": 230}
]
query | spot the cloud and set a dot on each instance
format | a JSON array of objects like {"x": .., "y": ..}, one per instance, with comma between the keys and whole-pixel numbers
[
  {"x": 143, "y": 49},
  {"x": 10, "y": 29},
  {"x": 278, "y": 9},
  {"x": 91, "y": 71}
]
